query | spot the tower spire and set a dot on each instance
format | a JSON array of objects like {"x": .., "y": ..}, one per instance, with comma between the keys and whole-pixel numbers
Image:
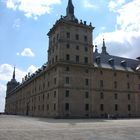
[
  {"x": 104, "y": 47},
  {"x": 70, "y": 11},
  {"x": 14, "y": 74}
]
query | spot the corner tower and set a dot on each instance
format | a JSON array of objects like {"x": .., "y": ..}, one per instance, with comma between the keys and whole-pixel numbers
[
  {"x": 12, "y": 84},
  {"x": 71, "y": 54}
]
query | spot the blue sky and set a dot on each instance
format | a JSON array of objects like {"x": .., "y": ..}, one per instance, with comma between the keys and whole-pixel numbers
[{"x": 24, "y": 25}]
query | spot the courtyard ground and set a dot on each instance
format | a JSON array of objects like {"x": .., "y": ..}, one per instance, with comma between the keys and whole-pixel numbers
[{"x": 29, "y": 128}]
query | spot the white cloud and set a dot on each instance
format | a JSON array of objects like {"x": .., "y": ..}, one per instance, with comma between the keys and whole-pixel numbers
[
  {"x": 27, "y": 52},
  {"x": 17, "y": 23},
  {"x": 89, "y": 4},
  {"x": 32, "y": 8},
  {"x": 125, "y": 40},
  {"x": 6, "y": 71},
  {"x": 113, "y": 4}
]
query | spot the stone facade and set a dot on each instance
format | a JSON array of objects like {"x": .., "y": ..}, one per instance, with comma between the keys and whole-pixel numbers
[{"x": 77, "y": 82}]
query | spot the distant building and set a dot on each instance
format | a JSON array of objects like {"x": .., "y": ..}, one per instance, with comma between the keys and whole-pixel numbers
[{"x": 77, "y": 82}]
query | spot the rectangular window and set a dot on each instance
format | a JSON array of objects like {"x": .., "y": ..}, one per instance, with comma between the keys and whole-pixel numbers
[
  {"x": 139, "y": 86},
  {"x": 77, "y": 37},
  {"x": 102, "y": 107},
  {"x": 85, "y": 38},
  {"x": 101, "y": 83},
  {"x": 54, "y": 106},
  {"x": 77, "y": 59},
  {"x": 67, "y": 106},
  {"x": 101, "y": 95},
  {"x": 68, "y": 46},
  {"x": 86, "y": 82},
  {"x": 116, "y": 107},
  {"x": 67, "y": 80},
  {"x": 67, "y": 68},
  {"x": 54, "y": 94},
  {"x": 115, "y": 96},
  {"x": 67, "y": 94},
  {"x": 129, "y": 96},
  {"x": 115, "y": 84},
  {"x": 129, "y": 107},
  {"x": 86, "y": 49},
  {"x": 86, "y": 107},
  {"x": 86, "y": 95},
  {"x": 77, "y": 47},
  {"x": 47, "y": 106},
  {"x": 55, "y": 81},
  {"x": 86, "y": 60},
  {"x": 67, "y": 57},
  {"x": 68, "y": 35},
  {"x": 48, "y": 95},
  {"x": 128, "y": 85}
]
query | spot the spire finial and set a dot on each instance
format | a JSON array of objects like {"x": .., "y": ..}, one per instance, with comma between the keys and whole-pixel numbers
[
  {"x": 104, "y": 47},
  {"x": 14, "y": 73}
]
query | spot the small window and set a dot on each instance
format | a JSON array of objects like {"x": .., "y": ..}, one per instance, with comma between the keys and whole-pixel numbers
[
  {"x": 86, "y": 60},
  {"x": 67, "y": 80},
  {"x": 127, "y": 75},
  {"x": 129, "y": 97},
  {"x": 68, "y": 34},
  {"x": 67, "y": 94},
  {"x": 115, "y": 74},
  {"x": 86, "y": 95},
  {"x": 101, "y": 83},
  {"x": 128, "y": 85},
  {"x": 77, "y": 47},
  {"x": 115, "y": 84},
  {"x": 129, "y": 107},
  {"x": 56, "y": 58},
  {"x": 85, "y": 38},
  {"x": 102, "y": 107},
  {"x": 48, "y": 95},
  {"x": 54, "y": 94},
  {"x": 68, "y": 46},
  {"x": 101, "y": 72},
  {"x": 47, "y": 106},
  {"x": 86, "y": 71},
  {"x": 77, "y": 59},
  {"x": 54, "y": 106},
  {"x": 86, "y": 49},
  {"x": 101, "y": 95},
  {"x": 67, "y": 57},
  {"x": 86, "y": 107},
  {"x": 67, "y": 106},
  {"x": 139, "y": 86},
  {"x": 55, "y": 81},
  {"x": 116, "y": 107},
  {"x": 115, "y": 96},
  {"x": 67, "y": 68},
  {"x": 86, "y": 82},
  {"x": 77, "y": 37}
]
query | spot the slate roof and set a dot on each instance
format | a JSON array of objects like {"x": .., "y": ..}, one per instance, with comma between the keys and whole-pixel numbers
[{"x": 107, "y": 61}]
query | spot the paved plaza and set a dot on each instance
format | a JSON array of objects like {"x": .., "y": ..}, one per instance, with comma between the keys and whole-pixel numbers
[{"x": 28, "y": 128}]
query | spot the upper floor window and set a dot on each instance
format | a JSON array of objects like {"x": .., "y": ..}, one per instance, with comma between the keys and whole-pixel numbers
[
  {"x": 67, "y": 93},
  {"x": 67, "y": 68},
  {"x": 101, "y": 107},
  {"x": 85, "y": 38},
  {"x": 129, "y": 96},
  {"x": 86, "y": 82},
  {"x": 54, "y": 94},
  {"x": 116, "y": 107},
  {"x": 86, "y": 60},
  {"x": 101, "y": 95},
  {"x": 129, "y": 107},
  {"x": 127, "y": 75},
  {"x": 77, "y": 37},
  {"x": 115, "y": 96},
  {"x": 86, "y": 49},
  {"x": 101, "y": 83},
  {"x": 67, "y": 80},
  {"x": 77, "y": 47},
  {"x": 86, "y": 107},
  {"x": 77, "y": 58},
  {"x": 67, "y": 107},
  {"x": 86, "y": 95},
  {"x": 115, "y": 84},
  {"x": 128, "y": 85},
  {"x": 67, "y": 57},
  {"x": 68, "y": 34},
  {"x": 115, "y": 74},
  {"x": 68, "y": 46}
]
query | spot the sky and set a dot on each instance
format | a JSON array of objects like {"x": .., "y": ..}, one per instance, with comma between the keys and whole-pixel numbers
[{"x": 24, "y": 25}]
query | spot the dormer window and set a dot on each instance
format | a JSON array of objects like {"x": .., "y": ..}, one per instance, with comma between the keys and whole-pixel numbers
[
  {"x": 98, "y": 60},
  {"x": 111, "y": 61},
  {"x": 123, "y": 63}
]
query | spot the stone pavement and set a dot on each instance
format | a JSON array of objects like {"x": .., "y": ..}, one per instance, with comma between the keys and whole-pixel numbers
[{"x": 28, "y": 128}]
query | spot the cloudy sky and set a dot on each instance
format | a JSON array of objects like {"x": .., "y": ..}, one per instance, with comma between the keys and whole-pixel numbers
[{"x": 25, "y": 23}]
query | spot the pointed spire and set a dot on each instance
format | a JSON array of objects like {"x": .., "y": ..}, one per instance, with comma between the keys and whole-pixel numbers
[
  {"x": 104, "y": 47},
  {"x": 70, "y": 11},
  {"x": 14, "y": 74}
]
